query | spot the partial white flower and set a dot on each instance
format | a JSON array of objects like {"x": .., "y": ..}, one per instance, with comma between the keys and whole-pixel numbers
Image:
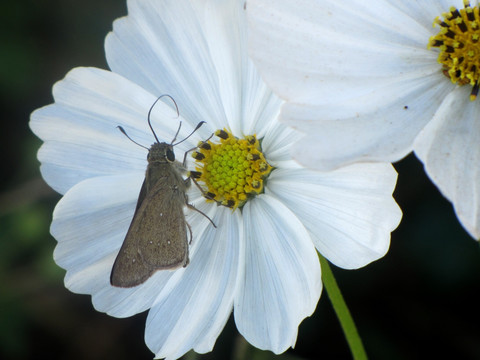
[
  {"x": 261, "y": 260},
  {"x": 363, "y": 83}
]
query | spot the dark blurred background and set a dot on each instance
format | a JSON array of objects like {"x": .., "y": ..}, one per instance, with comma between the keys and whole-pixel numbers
[{"x": 419, "y": 301}]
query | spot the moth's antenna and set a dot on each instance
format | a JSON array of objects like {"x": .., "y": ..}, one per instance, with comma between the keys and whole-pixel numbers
[
  {"x": 125, "y": 133},
  {"x": 176, "y": 134},
  {"x": 196, "y": 128},
  {"x": 150, "y": 111}
]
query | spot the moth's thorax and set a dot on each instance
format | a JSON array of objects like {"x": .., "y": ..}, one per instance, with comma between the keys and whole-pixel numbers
[{"x": 161, "y": 153}]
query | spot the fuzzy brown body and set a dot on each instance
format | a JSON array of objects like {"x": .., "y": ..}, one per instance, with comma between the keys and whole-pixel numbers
[{"x": 157, "y": 236}]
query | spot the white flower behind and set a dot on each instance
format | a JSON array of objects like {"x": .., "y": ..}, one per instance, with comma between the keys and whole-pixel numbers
[
  {"x": 260, "y": 261},
  {"x": 362, "y": 85}
]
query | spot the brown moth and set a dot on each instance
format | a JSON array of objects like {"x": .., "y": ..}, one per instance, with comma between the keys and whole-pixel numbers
[{"x": 157, "y": 236}]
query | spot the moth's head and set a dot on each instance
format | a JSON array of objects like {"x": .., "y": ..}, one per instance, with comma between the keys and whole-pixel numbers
[{"x": 161, "y": 153}]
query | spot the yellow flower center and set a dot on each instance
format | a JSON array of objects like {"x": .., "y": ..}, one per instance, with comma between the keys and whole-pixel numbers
[
  {"x": 458, "y": 41},
  {"x": 231, "y": 171}
]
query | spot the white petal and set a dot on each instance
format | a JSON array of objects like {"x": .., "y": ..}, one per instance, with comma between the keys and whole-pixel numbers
[
  {"x": 281, "y": 282},
  {"x": 277, "y": 143},
  {"x": 193, "y": 309},
  {"x": 240, "y": 85},
  {"x": 309, "y": 50},
  {"x": 196, "y": 52},
  {"x": 347, "y": 71},
  {"x": 80, "y": 129},
  {"x": 161, "y": 46},
  {"x": 386, "y": 134},
  {"x": 349, "y": 212},
  {"x": 425, "y": 11},
  {"x": 448, "y": 147}
]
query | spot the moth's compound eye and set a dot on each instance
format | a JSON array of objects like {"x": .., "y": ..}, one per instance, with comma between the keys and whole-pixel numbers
[{"x": 170, "y": 155}]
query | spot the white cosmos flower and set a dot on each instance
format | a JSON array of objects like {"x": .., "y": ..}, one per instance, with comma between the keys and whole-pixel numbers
[
  {"x": 260, "y": 261},
  {"x": 363, "y": 83}
]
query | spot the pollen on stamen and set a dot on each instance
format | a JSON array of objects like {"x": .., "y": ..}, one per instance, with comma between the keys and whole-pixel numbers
[
  {"x": 458, "y": 42},
  {"x": 231, "y": 171}
]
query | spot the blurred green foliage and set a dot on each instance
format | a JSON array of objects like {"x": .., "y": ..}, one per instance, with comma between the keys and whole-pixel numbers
[{"x": 420, "y": 301}]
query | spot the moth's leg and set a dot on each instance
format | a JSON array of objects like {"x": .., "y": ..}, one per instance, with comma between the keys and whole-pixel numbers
[
  {"x": 185, "y": 156},
  {"x": 191, "y": 237},
  {"x": 190, "y": 206},
  {"x": 186, "y": 152},
  {"x": 193, "y": 175}
]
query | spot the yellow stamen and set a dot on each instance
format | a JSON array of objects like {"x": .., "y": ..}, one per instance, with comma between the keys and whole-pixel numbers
[
  {"x": 231, "y": 171},
  {"x": 458, "y": 41}
]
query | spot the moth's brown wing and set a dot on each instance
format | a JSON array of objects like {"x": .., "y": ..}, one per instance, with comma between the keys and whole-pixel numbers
[
  {"x": 141, "y": 196},
  {"x": 156, "y": 239}
]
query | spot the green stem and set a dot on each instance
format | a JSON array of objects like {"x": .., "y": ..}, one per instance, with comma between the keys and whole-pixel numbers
[{"x": 341, "y": 309}]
